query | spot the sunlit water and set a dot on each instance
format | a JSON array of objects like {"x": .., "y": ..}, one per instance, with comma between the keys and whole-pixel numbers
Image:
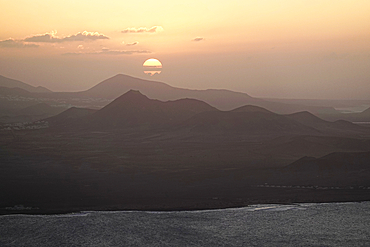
[{"x": 333, "y": 224}]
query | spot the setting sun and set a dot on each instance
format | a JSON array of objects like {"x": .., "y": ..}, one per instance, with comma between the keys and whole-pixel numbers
[
  {"x": 152, "y": 66},
  {"x": 152, "y": 63}
]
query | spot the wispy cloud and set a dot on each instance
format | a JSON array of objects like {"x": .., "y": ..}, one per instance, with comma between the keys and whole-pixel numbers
[
  {"x": 154, "y": 29},
  {"x": 132, "y": 44},
  {"x": 12, "y": 43},
  {"x": 52, "y": 38},
  {"x": 122, "y": 52},
  {"x": 106, "y": 51},
  {"x": 197, "y": 39}
]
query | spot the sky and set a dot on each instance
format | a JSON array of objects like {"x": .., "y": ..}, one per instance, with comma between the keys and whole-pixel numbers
[{"x": 311, "y": 49}]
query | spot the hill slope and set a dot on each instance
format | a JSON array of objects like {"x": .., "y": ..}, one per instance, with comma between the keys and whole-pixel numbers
[
  {"x": 219, "y": 98},
  {"x": 69, "y": 116},
  {"x": 335, "y": 162},
  {"x": 337, "y": 127},
  {"x": 119, "y": 84},
  {"x": 134, "y": 109},
  {"x": 40, "y": 109},
  {"x": 252, "y": 122},
  {"x": 11, "y": 83}
]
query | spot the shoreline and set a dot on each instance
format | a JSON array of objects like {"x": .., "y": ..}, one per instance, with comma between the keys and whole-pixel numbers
[{"x": 157, "y": 208}]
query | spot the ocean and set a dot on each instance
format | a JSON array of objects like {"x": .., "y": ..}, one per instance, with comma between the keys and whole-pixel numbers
[{"x": 318, "y": 224}]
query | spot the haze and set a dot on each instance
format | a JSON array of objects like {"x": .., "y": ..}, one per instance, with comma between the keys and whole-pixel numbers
[{"x": 279, "y": 49}]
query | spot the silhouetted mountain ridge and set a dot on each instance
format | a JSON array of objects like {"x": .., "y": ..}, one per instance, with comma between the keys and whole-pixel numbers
[
  {"x": 251, "y": 122},
  {"x": 367, "y": 111},
  {"x": 134, "y": 109},
  {"x": 11, "y": 83},
  {"x": 251, "y": 108},
  {"x": 70, "y": 116},
  {"x": 15, "y": 92},
  {"x": 111, "y": 88},
  {"x": 308, "y": 118},
  {"x": 337, "y": 161},
  {"x": 115, "y": 86},
  {"x": 363, "y": 116},
  {"x": 220, "y": 98}
]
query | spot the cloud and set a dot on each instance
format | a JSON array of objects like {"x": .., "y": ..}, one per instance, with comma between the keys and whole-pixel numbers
[
  {"x": 132, "y": 44},
  {"x": 122, "y": 52},
  {"x": 154, "y": 29},
  {"x": 106, "y": 51},
  {"x": 197, "y": 39},
  {"x": 12, "y": 43},
  {"x": 52, "y": 38},
  {"x": 85, "y": 36}
]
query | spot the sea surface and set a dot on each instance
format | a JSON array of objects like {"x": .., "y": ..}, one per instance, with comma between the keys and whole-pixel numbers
[{"x": 321, "y": 224}]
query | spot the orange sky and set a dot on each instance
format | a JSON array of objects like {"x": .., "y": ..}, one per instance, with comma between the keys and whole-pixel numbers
[{"x": 266, "y": 48}]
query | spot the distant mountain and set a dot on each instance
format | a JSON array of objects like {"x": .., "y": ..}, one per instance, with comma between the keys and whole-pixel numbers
[
  {"x": 337, "y": 127},
  {"x": 29, "y": 112},
  {"x": 366, "y": 112},
  {"x": 251, "y": 108},
  {"x": 101, "y": 94},
  {"x": 119, "y": 84},
  {"x": 340, "y": 169},
  {"x": 219, "y": 98},
  {"x": 115, "y": 86},
  {"x": 11, "y": 83},
  {"x": 7, "y": 91},
  {"x": 295, "y": 147},
  {"x": 134, "y": 109},
  {"x": 250, "y": 120},
  {"x": 358, "y": 117},
  {"x": 40, "y": 109},
  {"x": 11, "y": 101},
  {"x": 352, "y": 117},
  {"x": 69, "y": 117},
  {"x": 307, "y": 118},
  {"x": 338, "y": 161}
]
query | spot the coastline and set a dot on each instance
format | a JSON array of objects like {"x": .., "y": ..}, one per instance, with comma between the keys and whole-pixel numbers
[{"x": 196, "y": 204}]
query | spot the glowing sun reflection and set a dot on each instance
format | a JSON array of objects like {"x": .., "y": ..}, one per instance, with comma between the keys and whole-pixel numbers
[{"x": 152, "y": 72}]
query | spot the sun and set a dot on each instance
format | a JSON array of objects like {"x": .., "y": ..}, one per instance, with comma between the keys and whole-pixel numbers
[
  {"x": 152, "y": 66},
  {"x": 152, "y": 63}
]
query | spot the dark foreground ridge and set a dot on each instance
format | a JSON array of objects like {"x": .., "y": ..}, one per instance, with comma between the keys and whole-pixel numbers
[{"x": 138, "y": 153}]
